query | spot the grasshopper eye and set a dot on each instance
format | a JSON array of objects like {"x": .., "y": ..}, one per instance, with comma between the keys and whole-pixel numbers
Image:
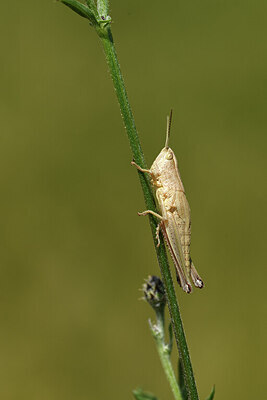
[{"x": 169, "y": 155}]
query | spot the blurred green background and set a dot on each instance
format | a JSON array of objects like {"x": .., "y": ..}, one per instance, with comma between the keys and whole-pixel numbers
[{"x": 73, "y": 252}]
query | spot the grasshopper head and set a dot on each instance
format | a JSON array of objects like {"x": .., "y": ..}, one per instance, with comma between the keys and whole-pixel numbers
[
  {"x": 167, "y": 153},
  {"x": 166, "y": 156},
  {"x": 165, "y": 161}
]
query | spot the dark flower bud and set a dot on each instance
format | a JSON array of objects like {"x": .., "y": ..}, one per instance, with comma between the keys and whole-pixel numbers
[{"x": 154, "y": 292}]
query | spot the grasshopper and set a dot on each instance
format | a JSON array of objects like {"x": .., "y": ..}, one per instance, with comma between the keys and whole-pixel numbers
[{"x": 175, "y": 220}]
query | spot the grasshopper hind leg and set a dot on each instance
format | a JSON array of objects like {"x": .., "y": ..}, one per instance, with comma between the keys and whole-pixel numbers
[
  {"x": 198, "y": 282},
  {"x": 184, "y": 284}
]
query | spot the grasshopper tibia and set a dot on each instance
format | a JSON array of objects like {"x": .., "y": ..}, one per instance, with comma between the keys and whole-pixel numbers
[{"x": 152, "y": 213}]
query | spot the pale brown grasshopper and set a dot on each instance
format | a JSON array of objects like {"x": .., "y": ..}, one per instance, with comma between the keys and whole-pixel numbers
[{"x": 175, "y": 220}]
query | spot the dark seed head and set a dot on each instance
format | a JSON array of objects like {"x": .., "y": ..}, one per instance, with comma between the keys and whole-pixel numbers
[{"x": 154, "y": 292}]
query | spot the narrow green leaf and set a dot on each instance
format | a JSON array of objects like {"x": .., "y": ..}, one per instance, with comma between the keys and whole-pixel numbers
[
  {"x": 181, "y": 381},
  {"x": 211, "y": 396},
  {"x": 81, "y": 9},
  {"x": 171, "y": 337},
  {"x": 139, "y": 394},
  {"x": 180, "y": 374}
]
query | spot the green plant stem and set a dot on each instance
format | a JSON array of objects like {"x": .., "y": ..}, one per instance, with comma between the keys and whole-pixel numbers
[
  {"x": 164, "y": 353},
  {"x": 112, "y": 60}
]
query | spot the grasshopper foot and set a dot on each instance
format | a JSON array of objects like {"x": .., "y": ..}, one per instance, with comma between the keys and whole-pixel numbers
[{"x": 157, "y": 233}]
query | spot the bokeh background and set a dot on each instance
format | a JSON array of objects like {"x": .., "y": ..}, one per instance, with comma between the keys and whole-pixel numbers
[{"x": 73, "y": 252}]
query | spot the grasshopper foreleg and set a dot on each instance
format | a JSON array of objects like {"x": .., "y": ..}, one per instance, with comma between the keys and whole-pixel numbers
[{"x": 141, "y": 169}]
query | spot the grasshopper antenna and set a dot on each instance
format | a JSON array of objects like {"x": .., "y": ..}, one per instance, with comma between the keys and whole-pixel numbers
[{"x": 169, "y": 121}]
